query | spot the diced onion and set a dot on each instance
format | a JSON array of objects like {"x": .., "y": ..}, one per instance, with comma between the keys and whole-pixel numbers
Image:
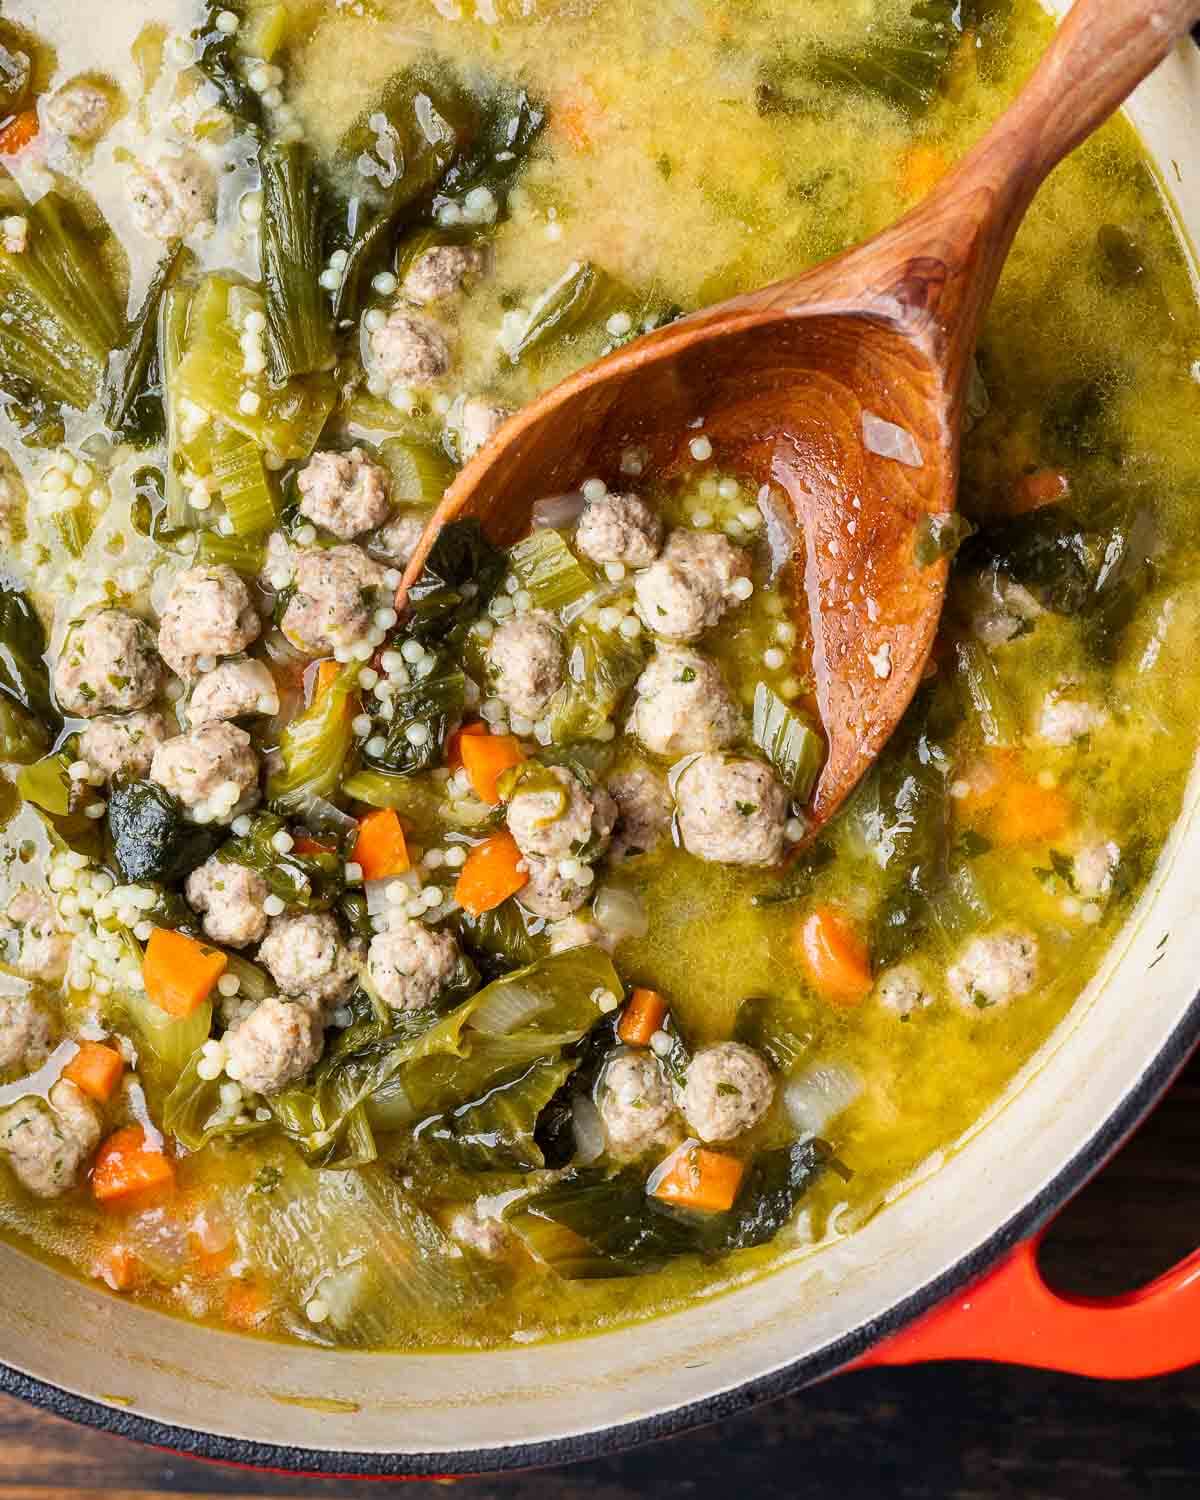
[
  {"x": 889, "y": 441},
  {"x": 507, "y": 1008},
  {"x": 817, "y": 1095},
  {"x": 620, "y": 913},
  {"x": 559, "y": 511},
  {"x": 588, "y": 1130}
]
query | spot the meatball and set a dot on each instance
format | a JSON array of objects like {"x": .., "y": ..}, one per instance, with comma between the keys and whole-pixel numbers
[
  {"x": 1064, "y": 720},
  {"x": 486, "y": 1236},
  {"x": 1093, "y": 869},
  {"x": 308, "y": 958},
  {"x": 556, "y": 817},
  {"x": 635, "y": 1103},
  {"x": 45, "y": 946},
  {"x": 728, "y": 1089},
  {"x": 683, "y": 704},
  {"x": 643, "y": 812},
  {"x": 213, "y": 771},
  {"x": 24, "y": 1033},
  {"x": 407, "y": 350},
  {"x": 80, "y": 109},
  {"x": 345, "y": 493},
  {"x": 230, "y": 897},
  {"x": 689, "y": 587},
  {"x": 276, "y": 1044},
  {"x": 107, "y": 665},
  {"x": 169, "y": 199},
  {"x": 124, "y": 746},
  {"x": 731, "y": 811},
  {"x": 993, "y": 970},
  {"x": 551, "y": 894},
  {"x": 231, "y": 690},
  {"x": 527, "y": 662},
  {"x": 47, "y": 1143},
  {"x": 410, "y": 963},
  {"x": 439, "y": 272},
  {"x": 208, "y": 613},
  {"x": 334, "y": 600},
  {"x": 475, "y": 424},
  {"x": 620, "y": 529},
  {"x": 902, "y": 989},
  {"x": 397, "y": 541}
]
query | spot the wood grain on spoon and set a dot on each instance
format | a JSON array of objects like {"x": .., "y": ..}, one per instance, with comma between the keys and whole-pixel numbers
[{"x": 781, "y": 380}]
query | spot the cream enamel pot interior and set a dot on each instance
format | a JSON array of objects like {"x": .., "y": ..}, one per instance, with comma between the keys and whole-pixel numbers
[{"x": 113, "y": 1364}]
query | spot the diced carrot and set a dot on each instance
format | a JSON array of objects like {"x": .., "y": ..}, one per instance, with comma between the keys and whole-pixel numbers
[
  {"x": 306, "y": 847},
  {"x": 695, "y": 1178},
  {"x": 380, "y": 847},
  {"x": 454, "y": 744},
  {"x": 837, "y": 958},
  {"x": 96, "y": 1069},
  {"x": 491, "y": 874},
  {"x": 578, "y": 117},
  {"x": 245, "y": 1304},
  {"x": 1041, "y": 487},
  {"x": 118, "y": 1267},
  {"x": 180, "y": 972},
  {"x": 486, "y": 758},
  {"x": 327, "y": 672},
  {"x": 1027, "y": 813},
  {"x": 126, "y": 1167},
  {"x": 922, "y": 167},
  {"x": 19, "y": 132},
  {"x": 642, "y": 1017}
]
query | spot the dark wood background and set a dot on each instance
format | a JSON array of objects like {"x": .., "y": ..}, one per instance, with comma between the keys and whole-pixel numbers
[{"x": 944, "y": 1432}]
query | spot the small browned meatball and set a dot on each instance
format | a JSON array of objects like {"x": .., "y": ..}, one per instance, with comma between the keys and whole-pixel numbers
[
  {"x": 207, "y": 614},
  {"x": 440, "y": 272},
  {"x": 276, "y": 1044},
  {"x": 731, "y": 811},
  {"x": 337, "y": 591},
  {"x": 620, "y": 529},
  {"x": 643, "y": 812},
  {"x": 123, "y": 746},
  {"x": 689, "y": 588},
  {"x": 309, "y": 959},
  {"x": 168, "y": 199},
  {"x": 410, "y": 963},
  {"x": 233, "y": 690},
  {"x": 213, "y": 771},
  {"x": 728, "y": 1090},
  {"x": 48, "y": 1143},
  {"x": 554, "y": 816},
  {"x": 344, "y": 493},
  {"x": 231, "y": 899},
  {"x": 526, "y": 656},
  {"x": 107, "y": 665},
  {"x": 408, "y": 350}
]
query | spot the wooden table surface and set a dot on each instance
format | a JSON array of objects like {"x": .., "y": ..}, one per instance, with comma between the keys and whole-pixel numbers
[{"x": 947, "y": 1432}]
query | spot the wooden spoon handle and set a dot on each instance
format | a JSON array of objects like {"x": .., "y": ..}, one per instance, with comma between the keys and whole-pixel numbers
[{"x": 1099, "y": 55}]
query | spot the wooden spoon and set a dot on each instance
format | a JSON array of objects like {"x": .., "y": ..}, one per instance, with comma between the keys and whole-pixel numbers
[{"x": 782, "y": 380}]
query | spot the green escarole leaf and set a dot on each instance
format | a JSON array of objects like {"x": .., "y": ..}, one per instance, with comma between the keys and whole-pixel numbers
[
  {"x": 591, "y": 1226},
  {"x": 314, "y": 746},
  {"x": 312, "y": 882},
  {"x": 24, "y": 676}
]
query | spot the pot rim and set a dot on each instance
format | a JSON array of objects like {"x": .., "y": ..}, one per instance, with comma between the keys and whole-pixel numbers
[{"x": 194, "y": 1442}]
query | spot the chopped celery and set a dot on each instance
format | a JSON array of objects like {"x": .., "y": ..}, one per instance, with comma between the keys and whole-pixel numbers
[
  {"x": 218, "y": 58},
  {"x": 583, "y": 296},
  {"x": 73, "y": 527},
  {"x": 246, "y": 555},
  {"x": 132, "y": 396},
  {"x": 792, "y": 746},
  {"x": 549, "y": 571},
  {"x": 24, "y": 676},
  {"x": 189, "y": 430},
  {"x": 361, "y": 1244},
  {"x": 246, "y": 490},
  {"x": 167, "y": 1043},
  {"x": 61, "y": 315},
  {"x": 312, "y": 882},
  {"x": 254, "y": 983},
  {"x": 602, "y": 665},
  {"x": 432, "y": 703},
  {"x": 264, "y": 29},
  {"x": 990, "y": 703},
  {"x": 420, "y": 473},
  {"x": 285, "y": 420},
  {"x": 315, "y": 746},
  {"x": 299, "y": 331},
  {"x": 411, "y": 796},
  {"x": 496, "y": 1131}
]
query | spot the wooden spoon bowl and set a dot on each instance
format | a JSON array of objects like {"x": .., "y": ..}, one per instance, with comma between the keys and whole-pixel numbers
[{"x": 789, "y": 382}]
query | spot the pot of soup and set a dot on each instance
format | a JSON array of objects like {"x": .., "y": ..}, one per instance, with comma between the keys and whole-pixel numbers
[{"x": 435, "y": 1041}]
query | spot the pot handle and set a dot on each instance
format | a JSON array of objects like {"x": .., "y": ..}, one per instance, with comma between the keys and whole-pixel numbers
[{"x": 1011, "y": 1316}]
